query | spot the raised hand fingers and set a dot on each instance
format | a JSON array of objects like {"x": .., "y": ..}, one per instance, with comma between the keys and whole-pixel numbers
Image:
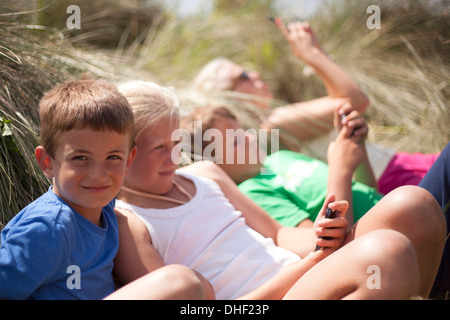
[
  {"x": 284, "y": 29},
  {"x": 353, "y": 121},
  {"x": 298, "y": 26},
  {"x": 357, "y": 125}
]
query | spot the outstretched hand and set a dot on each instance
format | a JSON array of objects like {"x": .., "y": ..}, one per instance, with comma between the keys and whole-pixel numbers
[{"x": 300, "y": 37}]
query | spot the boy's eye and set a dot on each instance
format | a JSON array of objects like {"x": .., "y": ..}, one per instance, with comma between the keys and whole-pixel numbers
[
  {"x": 79, "y": 158},
  {"x": 114, "y": 157}
]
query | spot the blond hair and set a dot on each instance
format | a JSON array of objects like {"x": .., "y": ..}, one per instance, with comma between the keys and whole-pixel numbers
[
  {"x": 215, "y": 76},
  {"x": 150, "y": 102},
  {"x": 83, "y": 103}
]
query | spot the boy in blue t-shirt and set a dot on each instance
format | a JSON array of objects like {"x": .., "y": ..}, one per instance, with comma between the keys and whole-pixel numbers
[{"x": 62, "y": 245}]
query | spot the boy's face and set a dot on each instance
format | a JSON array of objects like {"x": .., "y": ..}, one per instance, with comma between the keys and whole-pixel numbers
[{"x": 89, "y": 168}]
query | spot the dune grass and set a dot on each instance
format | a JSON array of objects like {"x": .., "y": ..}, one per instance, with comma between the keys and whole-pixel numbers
[
  {"x": 403, "y": 67},
  {"x": 31, "y": 63}
]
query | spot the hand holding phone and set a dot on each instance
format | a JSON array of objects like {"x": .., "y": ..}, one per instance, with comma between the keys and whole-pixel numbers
[{"x": 329, "y": 214}]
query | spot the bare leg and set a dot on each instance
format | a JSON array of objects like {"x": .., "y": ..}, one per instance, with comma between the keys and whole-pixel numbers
[
  {"x": 379, "y": 265},
  {"x": 172, "y": 282},
  {"x": 413, "y": 212}
]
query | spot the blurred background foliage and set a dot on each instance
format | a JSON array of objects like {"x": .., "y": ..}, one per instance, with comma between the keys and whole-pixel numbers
[{"x": 404, "y": 67}]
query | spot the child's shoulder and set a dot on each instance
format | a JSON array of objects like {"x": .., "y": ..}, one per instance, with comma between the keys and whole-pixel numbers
[
  {"x": 47, "y": 211},
  {"x": 198, "y": 181}
]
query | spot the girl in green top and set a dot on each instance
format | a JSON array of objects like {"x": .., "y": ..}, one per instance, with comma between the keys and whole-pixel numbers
[
  {"x": 291, "y": 186},
  {"x": 294, "y": 187},
  {"x": 280, "y": 183}
]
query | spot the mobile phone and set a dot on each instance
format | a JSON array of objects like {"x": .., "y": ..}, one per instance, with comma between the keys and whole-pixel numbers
[
  {"x": 343, "y": 116},
  {"x": 271, "y": 19},
  {"x": 329, "y": 214}
]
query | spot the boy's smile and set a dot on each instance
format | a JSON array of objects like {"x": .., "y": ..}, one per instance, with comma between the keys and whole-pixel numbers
[{"x": 89, "y": 168}]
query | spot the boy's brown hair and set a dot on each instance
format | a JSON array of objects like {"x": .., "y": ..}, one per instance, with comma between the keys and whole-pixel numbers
[{"x": 83, "y": 103}]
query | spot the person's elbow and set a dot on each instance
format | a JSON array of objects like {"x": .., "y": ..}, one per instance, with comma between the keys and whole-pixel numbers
[{"x": 363, "y": 102}]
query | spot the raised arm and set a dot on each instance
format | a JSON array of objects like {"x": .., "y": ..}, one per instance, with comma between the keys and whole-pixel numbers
[
  {"x": 310, "y": 119},
  {"x": 347, "y": 155}
]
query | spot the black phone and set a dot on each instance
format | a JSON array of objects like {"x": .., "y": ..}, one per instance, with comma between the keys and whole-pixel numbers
[
  {"x": 271, "y": 19},
  {"x": 330, "y": 214}
]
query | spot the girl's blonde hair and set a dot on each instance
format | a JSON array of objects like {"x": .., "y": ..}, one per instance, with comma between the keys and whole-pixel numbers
[{"x": 150, "y": 102}]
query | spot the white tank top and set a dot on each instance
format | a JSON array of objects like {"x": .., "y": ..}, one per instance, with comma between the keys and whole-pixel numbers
[{"x": 207, "y": 234}]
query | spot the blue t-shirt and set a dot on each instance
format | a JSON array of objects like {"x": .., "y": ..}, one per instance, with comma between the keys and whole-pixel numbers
[{"x": 49, "y": 251}]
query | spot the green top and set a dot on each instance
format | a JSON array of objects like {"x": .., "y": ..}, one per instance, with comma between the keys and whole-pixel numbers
[{"x": 293, "y": 187}]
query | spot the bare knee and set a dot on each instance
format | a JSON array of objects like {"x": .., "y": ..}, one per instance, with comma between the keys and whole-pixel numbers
[
  {"x": 418, "y": 210},
  {"x": 389, "y": 265},
  {"x": 186, "y": 283}
]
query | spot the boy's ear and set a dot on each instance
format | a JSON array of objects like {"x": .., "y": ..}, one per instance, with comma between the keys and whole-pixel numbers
[
  {"x": 44, "y": 161},
  {"x": 130, "y": 159}
]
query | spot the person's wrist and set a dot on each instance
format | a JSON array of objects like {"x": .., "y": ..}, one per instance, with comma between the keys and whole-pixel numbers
[
  {"x": 312, "y": 55},
  {"x": 341, "y": 171}
]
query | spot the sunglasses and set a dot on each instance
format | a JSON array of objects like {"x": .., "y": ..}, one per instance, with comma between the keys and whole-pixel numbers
[{"x": 243, "y": 76}]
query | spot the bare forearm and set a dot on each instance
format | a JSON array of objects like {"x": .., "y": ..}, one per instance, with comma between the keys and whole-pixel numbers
[
  {"x": 277, "y": 287},
  {"x": 340, "y": 184},
  {"x": 337, "y": 82},
  {"x": 364, "y": 173},
  {"x": 301, "y": 241}
]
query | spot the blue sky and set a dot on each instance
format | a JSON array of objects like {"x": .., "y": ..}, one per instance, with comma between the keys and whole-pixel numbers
[{"x": 294, "y": 7}]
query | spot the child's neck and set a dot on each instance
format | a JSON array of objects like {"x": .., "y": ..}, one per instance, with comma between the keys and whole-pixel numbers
[{"x": 180, "y": 193}]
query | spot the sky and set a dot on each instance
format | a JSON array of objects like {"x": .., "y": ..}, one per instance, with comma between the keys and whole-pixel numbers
[{"x": 294, "y": 7}]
